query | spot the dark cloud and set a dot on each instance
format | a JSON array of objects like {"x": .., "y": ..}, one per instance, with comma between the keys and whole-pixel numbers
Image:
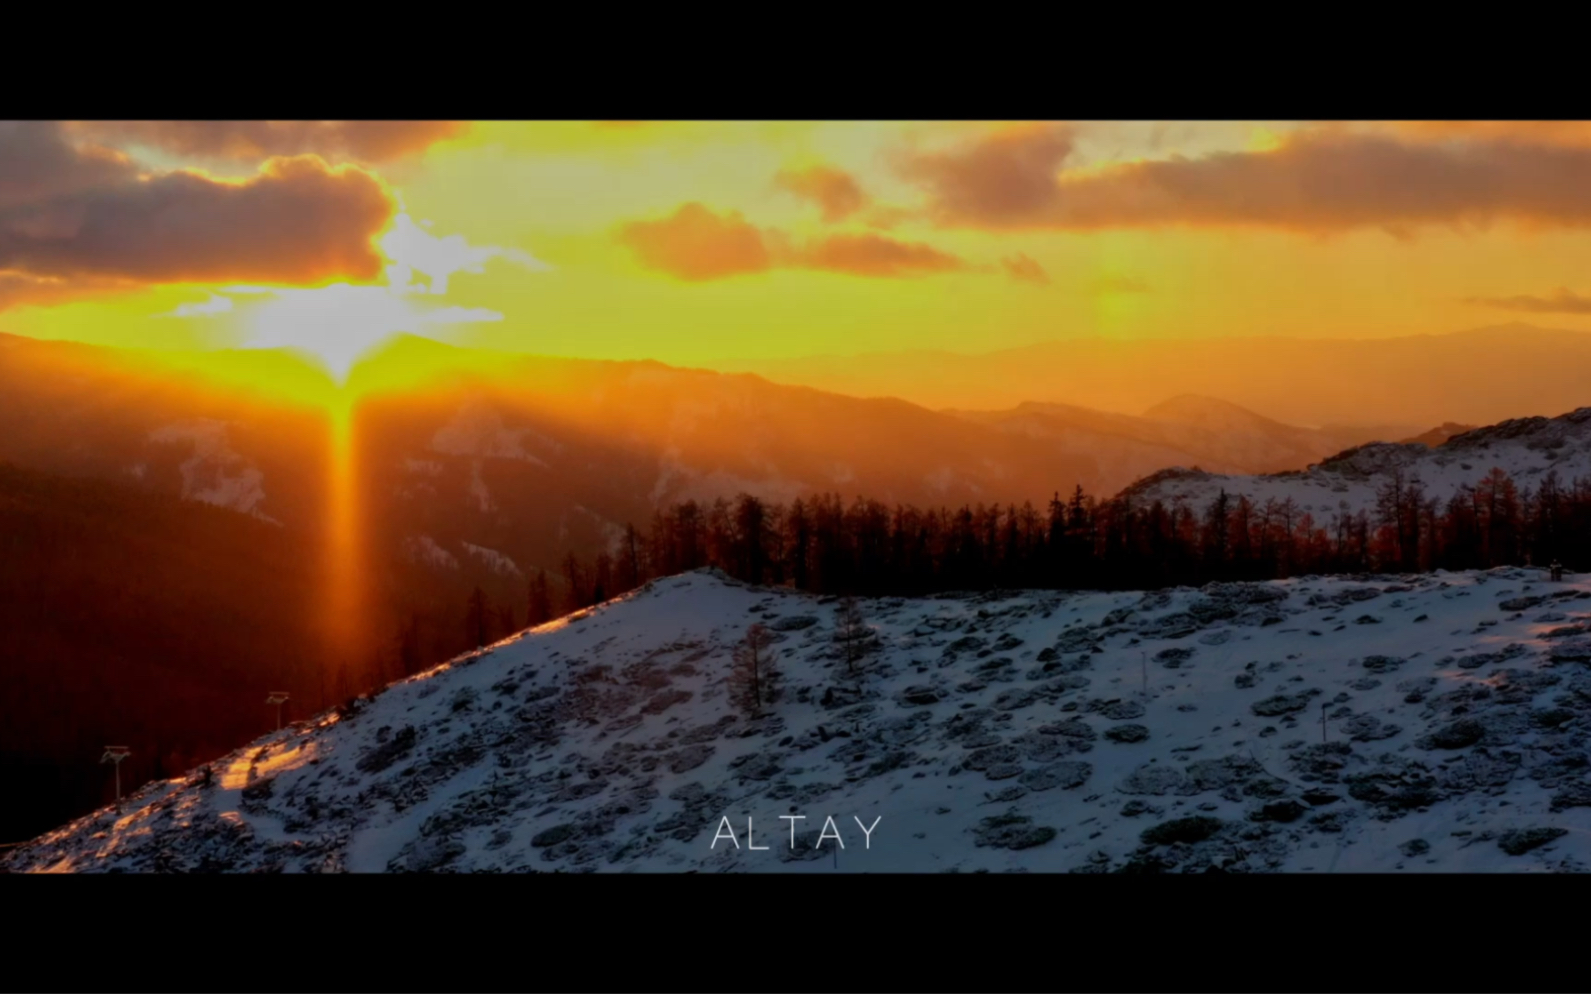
[
  {"x": 255, "y": 141},
  {"x": 1023, "y": 269},
  {"x": 835, "y": 191},
  {"x": 37, "y": 162},
  {"x": 1563, "y": 301},
  {"x": 296, "y": 221},
  {"x": 1318, "y": 180},
  {"x": 1007, "y": 178},
  {"x": 696, "y": 245}
]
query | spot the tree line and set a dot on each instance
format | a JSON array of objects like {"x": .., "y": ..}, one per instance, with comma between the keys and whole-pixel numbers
[{"x": 825, "y": 545}]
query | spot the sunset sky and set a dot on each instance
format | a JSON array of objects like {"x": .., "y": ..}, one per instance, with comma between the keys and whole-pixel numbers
[{"x": 704, "y": 243}]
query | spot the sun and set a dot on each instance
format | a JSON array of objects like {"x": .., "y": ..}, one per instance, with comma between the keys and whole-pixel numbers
[
  {"x": 335, "y": 324},
  {"x": 339, "y": 324}
]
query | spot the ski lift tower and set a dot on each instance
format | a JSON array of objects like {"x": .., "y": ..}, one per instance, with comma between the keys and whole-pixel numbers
[
  {"x": 278, "y": 697},
  {"x": 115, "y": 754}
]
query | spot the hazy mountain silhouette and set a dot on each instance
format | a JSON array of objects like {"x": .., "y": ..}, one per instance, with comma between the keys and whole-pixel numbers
[
  {"x": 1479, "y": 376},
  {"x": 1184, "y": 431}
]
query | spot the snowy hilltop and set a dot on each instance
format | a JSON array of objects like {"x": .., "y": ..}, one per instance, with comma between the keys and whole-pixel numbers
[
  {"x": 1527, "y": 449},
  {"x": 1371, "y": 723}
]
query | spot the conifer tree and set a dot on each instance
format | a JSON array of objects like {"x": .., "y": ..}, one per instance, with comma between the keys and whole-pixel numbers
[
  {"x": 752, "y": 679},
  {"x": 850, "y": 632}
]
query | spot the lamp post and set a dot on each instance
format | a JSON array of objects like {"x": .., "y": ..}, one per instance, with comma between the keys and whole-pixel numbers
[
  {"x": 115, "y": 754},
  {"x": 278, "y": 697}
]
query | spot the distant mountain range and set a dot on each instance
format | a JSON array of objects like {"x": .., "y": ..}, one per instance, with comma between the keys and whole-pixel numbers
[
  {"x": 1184, "y": 431},
  {"x": 1480, "y": 376},
  {"x": 489, "y": 470}
]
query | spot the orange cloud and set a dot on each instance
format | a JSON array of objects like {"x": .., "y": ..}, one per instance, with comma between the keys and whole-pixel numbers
[
  {"x": 1531, "y": 132},
  {"x": 1563, "y": 301},
  {"x": 833, "y": 190},
  {"x": 885, "y": 217},
  {"x": 875, "y": 255},
  {"x": 253, "y": 141},
  {"x": 1317, "y": 180},
  {"x": 694, "y": 244},
  {"x": 1023, "y": 269}
]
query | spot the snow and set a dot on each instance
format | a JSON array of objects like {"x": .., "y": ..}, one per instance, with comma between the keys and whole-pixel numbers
[
  {"x": 424, "y": 549},
  {"x": 1020, "y": 731},
  {"x": 495, "y": 561},
  {"x": 479, "y": 431},
  {"x": 1527, "y": 449},
  {"x": 214, "y": 473}
]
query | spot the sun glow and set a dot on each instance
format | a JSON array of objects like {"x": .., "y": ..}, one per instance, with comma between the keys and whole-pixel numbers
[
  {"x": 345, "y": 575},
  {"x": 340, "y": 323}
]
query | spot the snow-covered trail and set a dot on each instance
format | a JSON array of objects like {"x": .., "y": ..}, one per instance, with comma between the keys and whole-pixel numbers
[{"x": 1311, "y": 725}]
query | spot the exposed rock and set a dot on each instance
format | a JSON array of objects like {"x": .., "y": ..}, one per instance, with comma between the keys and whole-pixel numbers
[
  {"x": 794, "y": 623},
  {"x": 1174, "y": 657},
  {"x": 1012, "y": 831},
  {"x": 552, "y": 836},
  {"x": 918, "y": 696},
  {"x": 983, "y": 759},
  {"x": 389, "y": 752},
  {"x": 1520, "y": 841},
  {"x": 1127, "y": 733},
  {"x": 1066, "y": 775},
  {"x": 690, "y": 757},
  {"x": 1152, "y": 778},
  {"x": 1281, "y": 704},
  {"x": 1216, "y": 774},
  {"x": 1321, "y": 762},
  {"x": 1282, "y": 811},
  {"x": 1521, "y": 603},
  {"x": 1195, "y": 828},
  {"x": 664, "y": 700},
  {"x": 1382, "y": 664},
  {"x": 1456, "y": 735},
  {"x": 1369, "y": 728},
  {"x": 1014, "y": 700},
  {"x": 1122, "y": 710}
]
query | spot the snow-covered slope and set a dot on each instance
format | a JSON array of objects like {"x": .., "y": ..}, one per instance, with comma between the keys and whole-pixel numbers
[
  {"x": 1525, "y": 448},
  {"x": 1026, "y": 731}
]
